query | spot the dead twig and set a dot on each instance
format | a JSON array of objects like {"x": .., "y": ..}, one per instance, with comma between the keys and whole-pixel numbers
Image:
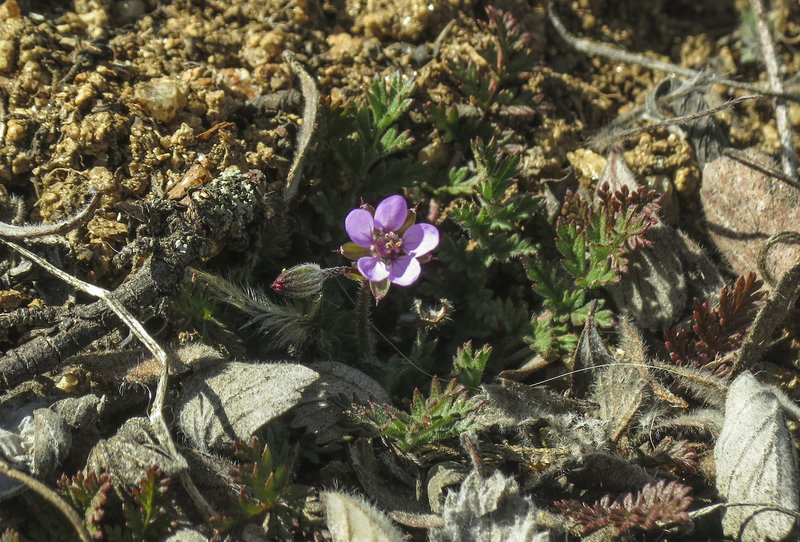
[
  {"x": 38, "y": 230},
  {"x": 788, "y": 158},
  {"x": 616, "y": 136},
  {"x": 230, "y": 205},
  {"x": 157, "y": 411},
  {"x": 618, "y": 55}
]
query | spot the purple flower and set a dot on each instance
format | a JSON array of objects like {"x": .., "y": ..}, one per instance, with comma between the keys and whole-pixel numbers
[{"x": 387, "y": 244}]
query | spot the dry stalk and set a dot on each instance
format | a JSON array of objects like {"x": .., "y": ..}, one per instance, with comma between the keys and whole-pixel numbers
[
  {"x": 618, "y": 55},
  {"x": 769, "y": 317},
  {"x": 788, "y": 158},
  {"x": 310, "y": 109}
]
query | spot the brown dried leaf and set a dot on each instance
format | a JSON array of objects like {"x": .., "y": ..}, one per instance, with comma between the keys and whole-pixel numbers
[
  {"x": 223, "y": 403},
  {"x": 619, "y": 390},
  {"x": 756, "y": 464}
]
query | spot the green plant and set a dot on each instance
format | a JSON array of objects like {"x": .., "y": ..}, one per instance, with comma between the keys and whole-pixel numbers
[
  {"x": 446, "y": 413},
  {"x": 593, "y": 242},
  {"x": 453, "y": 126},
  {"x": 662, "y": 502},
  {"x": 88, "y": 495},
  {"x": 506, "y": 57},
  {"x": 197, "y": 305},
  {"x": 493, "y": 221},
  {"x": 264, "y": 475},
  {"x": 468, "y": 365},
  {"x": 150, "y": 516},
  {"x": 360, "y": 141},
  {"x": 719, "y": 331}
]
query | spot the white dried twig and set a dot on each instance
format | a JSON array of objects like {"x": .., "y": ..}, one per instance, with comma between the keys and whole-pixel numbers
[
  {"x": 38, "y": 230},
  {"x": 788, "y": 158}
]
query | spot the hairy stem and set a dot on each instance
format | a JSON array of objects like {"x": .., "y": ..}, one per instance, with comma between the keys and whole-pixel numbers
[{"x": 365, "y": 339}]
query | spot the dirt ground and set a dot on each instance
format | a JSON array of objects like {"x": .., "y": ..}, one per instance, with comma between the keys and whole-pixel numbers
[{"x": 144, "y": 100}]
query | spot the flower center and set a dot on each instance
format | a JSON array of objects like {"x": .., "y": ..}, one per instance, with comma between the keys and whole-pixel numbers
[{"x": 389, "y": 245}]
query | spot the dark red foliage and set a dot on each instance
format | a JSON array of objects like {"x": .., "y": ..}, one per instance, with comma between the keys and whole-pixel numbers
[
  {"x": 662, "y": 502},
  {"x": 720, "y": 331}
]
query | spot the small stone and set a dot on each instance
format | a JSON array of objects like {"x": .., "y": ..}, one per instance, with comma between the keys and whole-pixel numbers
[
  {"x": 9, "y": 10},
  {"x": 588, "y": 165},
  {"x": 162, "y": 98},
  {"x": 744, "y": 207},
  {"x": 15, "y": 131},
  {"x": 8, "y": 53}
]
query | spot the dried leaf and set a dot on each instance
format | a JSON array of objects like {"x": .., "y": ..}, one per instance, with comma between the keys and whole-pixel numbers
[
  {"x": 653, "y": 291},
  {"x": 318, "y": 414},
  {"x": 352, "y": 519},
  {"x": 221, "y": 404},
  {"x": 756, "y": 463},
  {"x": 591, "y": 352},
  {"x": 33, "y": 439},
  {"x": 52, "y": 441},
  {"x": 632, "y": 350},
  {"x": 441, "y": 476},
  {"x": 129, "y": 453},
  {"x": 386, "y": 492},
  {"x": 489, "y": 509},
  {"x": 619, "y": 390},
  {"x": 671, "y": 451}
]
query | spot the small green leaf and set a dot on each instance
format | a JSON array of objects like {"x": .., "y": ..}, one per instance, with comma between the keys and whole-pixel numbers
[{"x": 468, "y": 366}]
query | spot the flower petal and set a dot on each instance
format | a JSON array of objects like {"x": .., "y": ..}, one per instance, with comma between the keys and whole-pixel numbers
[
  {"x": 420, "y": 239},
  {"x": 390, "y": 214},
  {"x": 373, "y": 269},
  {"x": 359, "y": 226},
  {"x": 405, "y": 270}
]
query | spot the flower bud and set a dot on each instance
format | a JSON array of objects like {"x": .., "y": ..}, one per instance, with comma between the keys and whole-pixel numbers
[{"x": 302, "y": 280}]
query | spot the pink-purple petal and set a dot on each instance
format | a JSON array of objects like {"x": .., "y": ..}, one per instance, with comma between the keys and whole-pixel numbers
[
  {"x": 390, "y": 214},
  {"x": 420, "y": 239},
  {"x": 359, "y": 226},
  {"x": 373, "y": 269},
  {"x": 404, "y": 270}
]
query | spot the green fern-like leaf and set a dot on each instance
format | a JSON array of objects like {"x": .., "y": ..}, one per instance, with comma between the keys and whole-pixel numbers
[
  {"x": 494, "y": 220},
  {"x": 265, "y": 476},
  {"x": 88, "y": 495},
  {"x": 468, "y": 365},
  {"x": 151, "y": 515},
  {"x": 362, "y": 142},
  {"x": 446, "y": 413}
]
